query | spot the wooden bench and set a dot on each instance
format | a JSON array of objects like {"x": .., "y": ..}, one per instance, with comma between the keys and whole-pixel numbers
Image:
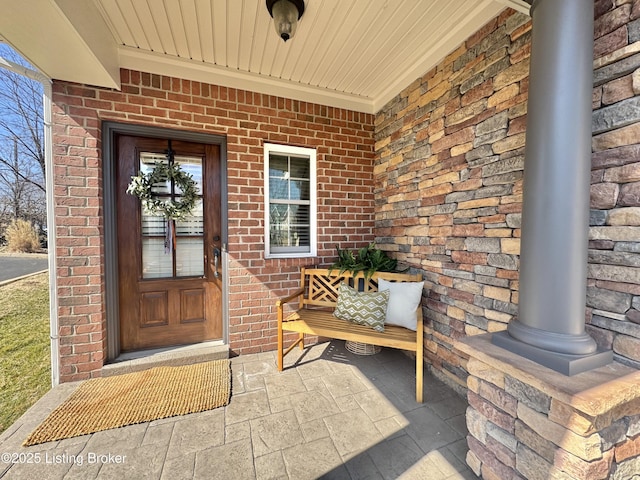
[{"x": 317, "y": 299}]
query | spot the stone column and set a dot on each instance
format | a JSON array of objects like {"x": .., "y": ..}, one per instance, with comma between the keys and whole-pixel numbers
[{"x": 555, "y": 218}]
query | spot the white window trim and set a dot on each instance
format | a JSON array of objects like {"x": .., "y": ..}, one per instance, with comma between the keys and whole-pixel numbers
[{"x": 270, "y": 148}]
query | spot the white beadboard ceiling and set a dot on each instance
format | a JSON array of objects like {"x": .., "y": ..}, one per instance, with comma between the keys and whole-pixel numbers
[{"x": 355, "y": 54}]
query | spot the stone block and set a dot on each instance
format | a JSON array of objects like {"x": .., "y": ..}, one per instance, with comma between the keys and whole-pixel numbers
[
  {"x": 617, "y": 302},
  {"x": 503, "y": 95},
  {"x": 474, "y": 462},
  {"x": 480, "y": 152},
  {"x": 617, "y": 90},
  {"x": 507, "y": 165},
  {"x": 603, "y": 313},
  {"x": 630, "y": 247},
  {"x": 479, "y": 203},
  {"x": 582, "y": 470},
  {"x": 617, "y": 234},
  {"x": 611, "y": 20},
  {"x": 510, "y": 246},
  {"x": 604, "y": 195},
  {"x": 485, "y": 270},
  {"x": 530, "y": 396},
  {"x": 603, "y": 338},
  {"x": 513, "y": 74},
  {"x": 503, "y": 437},
  {"x": 488, "y": 245},
  {"x": 496, "y": 122},
  {"x": 509, "y": 179},
  {"x": 627, "y": 346},
  {"x": 498, "y": 397},
  {"x": 574, "y": 420},
  {"x": 503, "y": 454},
  {"x": 614, "y": 273},
  {"x": 514, "y": 220},
  {"x": 629, "y": 194},
  {"x": 490, "y": 138},
  {"x": 613, "y": 435},
  {"x": 496, "y": 470},
  {"x": 615, "y": 157},
  {"x": 624, "y": 216},
  {"x": 616, "y": 68},
  {"x": 627, "y": 135},
  {"x": 532, "y": 466},
  {"x": 587, "y": 448},
  {"x": 492, "y": 191},
  {"x": 597, "y": 218},
  {"x": 612, "y": 46},
  {"x": 633, "y": 429},
  {"x": 485, "y": 372},
  {"x": 477, "y": 424},
  {"x": 500, "y": 260},
  {"x": 627, "y": 470},
  {"x": 497, "y": 316},
  {"x": 501, "y": 294},
  {"x": 493, "y": 414},
  {"x": 493, "y": 281},
  {"x": 510, "y": 143},
  {"x": 633, "y": 316},
  {"x": 624, "y": 174},
  {"x": 468, "y": 230},
  {"x": 525, "y": 436},
  {"x": 616, "y": 257}
]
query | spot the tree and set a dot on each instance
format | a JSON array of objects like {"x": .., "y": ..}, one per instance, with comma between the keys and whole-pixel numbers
[{"x": 22, "y": 158}]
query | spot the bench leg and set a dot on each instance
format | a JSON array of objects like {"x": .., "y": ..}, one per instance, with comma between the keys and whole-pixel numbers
[
  {"x": 280, "y": 350},
  {"x": 419, "y": 375},
  {"x": 301, "y": 340}
]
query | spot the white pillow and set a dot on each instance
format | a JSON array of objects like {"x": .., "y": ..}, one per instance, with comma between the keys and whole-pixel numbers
[{"x": 404, "y": 299}]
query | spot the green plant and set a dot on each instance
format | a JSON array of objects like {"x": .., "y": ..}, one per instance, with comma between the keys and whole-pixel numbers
[
  {"x": 142, "y": 187},
  {"x": 22, "y": 237},
  {"x": 367, "y": 259}
]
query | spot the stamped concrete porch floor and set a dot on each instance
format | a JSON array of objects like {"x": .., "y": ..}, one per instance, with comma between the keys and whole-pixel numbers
[{"x": 330, "y": 414}]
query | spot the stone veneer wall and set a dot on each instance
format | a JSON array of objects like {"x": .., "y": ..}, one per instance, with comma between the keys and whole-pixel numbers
[
  {"x": 613, "y": 294},
  {"x": 448, "y": 185},
  {"x": 526, "y": 421}
]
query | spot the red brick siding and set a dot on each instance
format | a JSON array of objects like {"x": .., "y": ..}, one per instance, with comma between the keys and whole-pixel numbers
[{"x": 344, "y": 143}]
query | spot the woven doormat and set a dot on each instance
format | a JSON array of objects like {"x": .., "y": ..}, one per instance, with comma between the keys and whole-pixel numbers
[{"x": 112, "y": 402}]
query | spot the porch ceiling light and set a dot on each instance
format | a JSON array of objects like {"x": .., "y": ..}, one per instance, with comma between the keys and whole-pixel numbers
[{"x": 285, "y": 14}]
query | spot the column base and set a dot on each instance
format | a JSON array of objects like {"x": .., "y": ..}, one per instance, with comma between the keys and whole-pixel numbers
[{"x": 560, "y": 362}]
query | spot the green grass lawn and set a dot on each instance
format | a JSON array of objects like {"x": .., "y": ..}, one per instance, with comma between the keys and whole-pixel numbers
[{"x": 25, "y": 371}]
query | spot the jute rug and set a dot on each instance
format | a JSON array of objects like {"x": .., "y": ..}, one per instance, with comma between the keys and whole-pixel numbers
[{"x": 112, "y": 402}]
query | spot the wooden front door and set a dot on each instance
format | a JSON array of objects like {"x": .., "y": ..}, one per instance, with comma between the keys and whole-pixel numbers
[{"x": 170, "y": 291}]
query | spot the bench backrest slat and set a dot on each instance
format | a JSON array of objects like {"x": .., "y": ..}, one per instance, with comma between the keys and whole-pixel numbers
[{"x": 321, "y": 285}]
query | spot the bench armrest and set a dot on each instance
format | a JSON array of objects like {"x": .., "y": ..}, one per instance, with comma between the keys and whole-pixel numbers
[{"x": 287, "y": 299}]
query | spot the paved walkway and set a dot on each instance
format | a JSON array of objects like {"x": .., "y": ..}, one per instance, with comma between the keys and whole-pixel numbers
[{"x": 334, "y": 415}]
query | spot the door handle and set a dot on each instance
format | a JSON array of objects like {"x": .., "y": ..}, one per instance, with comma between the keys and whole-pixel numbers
[{"x": 216, "y": 257}]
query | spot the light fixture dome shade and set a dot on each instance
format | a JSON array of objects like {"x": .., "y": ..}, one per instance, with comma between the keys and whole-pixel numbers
[{"x": 286, "y": 14}]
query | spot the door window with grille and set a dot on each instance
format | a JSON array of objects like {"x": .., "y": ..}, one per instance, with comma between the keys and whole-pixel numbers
[{"x": 186, "y": 259}]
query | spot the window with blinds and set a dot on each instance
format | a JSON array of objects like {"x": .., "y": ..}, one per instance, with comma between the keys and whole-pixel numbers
[{"x": 290, "y": 201}]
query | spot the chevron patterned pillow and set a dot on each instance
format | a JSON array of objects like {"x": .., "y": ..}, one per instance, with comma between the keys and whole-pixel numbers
[{"x": 363, "y": 308}]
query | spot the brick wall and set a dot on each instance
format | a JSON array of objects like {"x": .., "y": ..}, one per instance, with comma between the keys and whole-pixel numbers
[
  {"x": 344, "y": 143},
  {"x": 448, "y": 185}
]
